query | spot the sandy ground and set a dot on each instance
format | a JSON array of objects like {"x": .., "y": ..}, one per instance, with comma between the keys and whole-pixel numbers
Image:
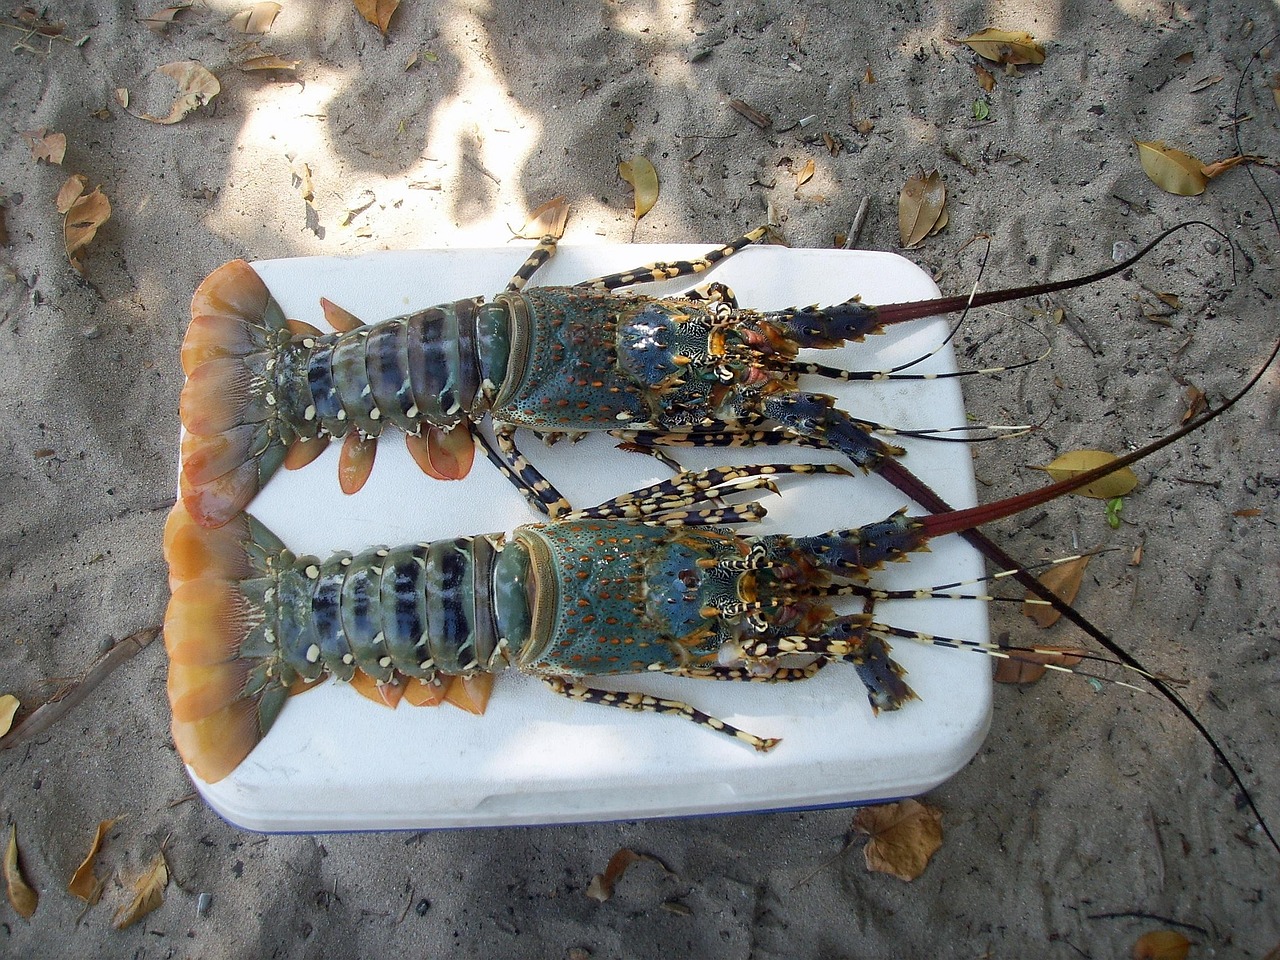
[{"x": 1086, "y": 818}]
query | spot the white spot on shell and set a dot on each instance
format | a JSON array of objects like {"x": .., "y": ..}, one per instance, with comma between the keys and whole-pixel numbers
[
  {"x": 310, "y": 412},
  {"x": 375, "y": 414},
  {"x": 313, "y": 653}
]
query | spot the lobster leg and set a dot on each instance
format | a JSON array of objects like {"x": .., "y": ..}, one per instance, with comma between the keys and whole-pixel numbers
[
  {"x": 670, "y": 269},
  {"x": 649, "y": 704},
  {"x": 537, "y": 489},
  {"x": 543, "y": 252}
]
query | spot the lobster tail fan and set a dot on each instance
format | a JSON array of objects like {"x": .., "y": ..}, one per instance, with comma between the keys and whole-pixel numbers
[
  {"x": 225, "y": 685},
  {"x": 232, "y": 443}
]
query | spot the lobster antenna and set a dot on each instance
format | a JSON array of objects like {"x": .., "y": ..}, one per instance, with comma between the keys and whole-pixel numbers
[{"x": 913, "y": 310}]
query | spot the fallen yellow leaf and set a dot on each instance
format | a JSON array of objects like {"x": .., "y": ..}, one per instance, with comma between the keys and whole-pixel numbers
[
  {"x": 921, "y": 208},
  {"x": 196, "y": 87},
  {"x": 1172, "y": 170},
  {"x": 377, "y": 12},
  {"x": 1005, "y": 46},
  {"x": 806, "y": 173},
  {"x": 83, "y": 213},
  {"x": 8, "y": 707},
  {"x": 83, "y": 883},
  {"x": 1161, "y": 945},
  {"x": 256, "y": 19},
  {"x": 148, "y": 893},
  {"x": 1064, "y": 581},
  {"x": 643, "y": 178},
  {"x": 1076, "y": 462},
  {"x": 23, "y": 898},
  {"x": 547, "y": 220},
  {"x": 45, "y": 146}
]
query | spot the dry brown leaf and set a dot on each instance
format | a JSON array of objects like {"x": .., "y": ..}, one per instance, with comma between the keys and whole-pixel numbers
[
  {"x": 23, "y": 898},
  {"x": 921, "y": 208},
  {"x": 4, "y": 226},
  {"x": 1115, "y": 484},
  {"x": 69, "y": 192},
  {"x": 46, "y": 147},
  {"x": 986, "y": 79},
  {"x": 159, "y": 21},
  {"x": 1248, "y": 512},
  {"x": 83, "y": 883},
  {"x": 643, "y": 178},
  {"x": 8, "y": 708},
  {"x": 602, "y": 884},
  {"x": 33, "y": 20},
  {"x": 1196, "y": 403},
  {"x": 761, "y": 120},
  {"x": 1064, "y": 580},
  {"x": 196, "y": 87},
  {"x": 1028, "y": 666},
  {"x": 1275, "y": 90},
  {"x": 869, "y": 77},
  {"x": 904, "y": 835},
  {"x": 256, "y": 19},
  {"x": 547, "y": 220},
  {"x": 1161, "y": 945},
  {"x": 268, "y": 62},
  {"x": 148, "y": 893},
  {"x": 1172, "y": 170},
  {"x": 1005, "y": 46},
  {"x": 377, "y": 12},
  {"x": 83, "y": 213},
  {"x": 806, "y": 173}
]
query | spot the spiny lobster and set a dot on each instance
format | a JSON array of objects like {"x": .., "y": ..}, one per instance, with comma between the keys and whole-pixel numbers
[{"x": 262, "y": 390}]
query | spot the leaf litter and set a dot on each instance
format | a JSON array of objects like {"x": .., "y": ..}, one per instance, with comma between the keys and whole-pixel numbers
[
  {"x": 1075, "y": 462},
  {"x": 83, "y": 883},
  {"x": 1063, "y": 579},
  {"x": 148, "y": 894},
  {"x": 256, "y": 19},
  {"x": 1178, "y": 172},
  {"x": 639, "y": 172},
  {"x": 904, "y": 837},
  {"x": 1011, "y": 47},
  {"x": 922, "y": 210},
  {"x": 21, "y": 896},
  {"x": 378, "y": 12},
  {"x": 196, "y": 87},
  {"x": 602, "y": 885},
  {"x": 82, "y": 215},
  {"x": 8, "y": 709},
  {"x": 46, "y": 146}
]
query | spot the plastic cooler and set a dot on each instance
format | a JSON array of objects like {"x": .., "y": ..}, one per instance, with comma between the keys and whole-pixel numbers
[{"x": 336, "y": 761}]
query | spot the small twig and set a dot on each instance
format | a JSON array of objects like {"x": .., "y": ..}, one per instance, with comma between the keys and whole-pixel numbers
[
  {"x": 855, "y": 231},
  {"x": 50, "y": 712},
  {"x": 1143, "y": 915},
  {"x": 479, "y": 166}
]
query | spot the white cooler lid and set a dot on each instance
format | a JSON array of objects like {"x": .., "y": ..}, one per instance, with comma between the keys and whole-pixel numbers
[{"x": 336, "y": 761}]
